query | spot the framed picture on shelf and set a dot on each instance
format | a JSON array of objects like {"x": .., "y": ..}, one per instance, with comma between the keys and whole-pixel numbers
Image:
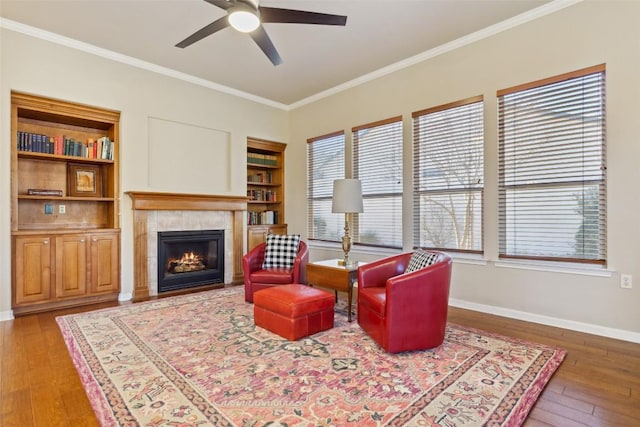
[{"x": 84, "y": 180}]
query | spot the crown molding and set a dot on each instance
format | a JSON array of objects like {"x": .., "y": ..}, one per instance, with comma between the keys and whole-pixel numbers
[
  {"x": 134, "y": 62},
  {"x": 531, "y": 15}
]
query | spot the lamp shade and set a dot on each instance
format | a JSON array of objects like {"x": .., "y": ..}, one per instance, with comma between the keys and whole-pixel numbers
[{"x": 347, "y": 196}]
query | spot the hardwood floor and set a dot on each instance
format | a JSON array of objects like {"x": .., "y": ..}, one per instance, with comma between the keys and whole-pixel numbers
[{"x": 598, "y": 384}]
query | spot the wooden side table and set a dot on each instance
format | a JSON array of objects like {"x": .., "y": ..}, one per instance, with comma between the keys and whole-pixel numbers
[{"x": 330, "y": 274}]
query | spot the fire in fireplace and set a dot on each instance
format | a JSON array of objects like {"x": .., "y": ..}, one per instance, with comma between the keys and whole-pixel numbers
[
  {"x": 187, "y": 262},
  {"x": 190, "y": 258}
]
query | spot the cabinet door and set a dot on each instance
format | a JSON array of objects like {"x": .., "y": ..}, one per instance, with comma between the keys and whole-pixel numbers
[
  {"x": 32, "y": 269},
  {"x": 257, "y": 234},
  {"x": 71, "y": 265},
  {"x": 104, "y": 263}
]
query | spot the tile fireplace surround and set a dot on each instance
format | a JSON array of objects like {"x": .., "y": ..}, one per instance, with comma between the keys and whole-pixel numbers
[{"x": 153, "y": 212}]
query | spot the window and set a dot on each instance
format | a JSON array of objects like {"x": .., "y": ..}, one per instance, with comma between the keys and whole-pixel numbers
[
  {"x": 325, "y": 163},
  {"x": 448, "y": 175},
  {"x": 377, "y": 162},
  {"x": 552, "y": 168}
]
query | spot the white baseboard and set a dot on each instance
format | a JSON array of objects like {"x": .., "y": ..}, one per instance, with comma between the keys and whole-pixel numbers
[
  {"x": 588, "y": 328},
  {"x": 6, "y": 315},
  {"x": 125, "y": 296}
]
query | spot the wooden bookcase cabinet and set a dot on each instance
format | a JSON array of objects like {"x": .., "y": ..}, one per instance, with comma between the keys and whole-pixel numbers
[
  {"x": 265, "y": 189},
  {"x": 65, "y": 249}
]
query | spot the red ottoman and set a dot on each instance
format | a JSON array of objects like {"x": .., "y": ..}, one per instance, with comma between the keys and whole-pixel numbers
[{"x": 293, "y": 311}]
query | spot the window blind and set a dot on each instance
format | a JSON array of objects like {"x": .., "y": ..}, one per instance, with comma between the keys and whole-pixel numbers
[
  {"x": 325, "y": 163},
  {"x": 377, "y": 162},
  {"x": 552, "y": 171},
  {"x": 448, "y": 175}
]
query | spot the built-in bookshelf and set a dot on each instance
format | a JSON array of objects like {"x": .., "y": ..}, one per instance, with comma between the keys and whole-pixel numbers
[
  {"x": 265, "y": 190},
  {"x": 64, "y": 203}
]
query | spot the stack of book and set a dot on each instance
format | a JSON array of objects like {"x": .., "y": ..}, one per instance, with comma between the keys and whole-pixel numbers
[
  {"x": 260, "y": 177},
  {"x": 102, "y": 148},
  {"x": 262, "y": 159},
  {"x": 262, "y": 218},
  {"x": 261, "y": 195}
]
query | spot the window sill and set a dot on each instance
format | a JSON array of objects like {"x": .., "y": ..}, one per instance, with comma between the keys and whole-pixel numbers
[
  {"x": 478, "y": 259},
  {"x": 568, "y": 268},
  {"x": 466, "y": 258},
  {"x": 355, "y": 249},
  {"x": 462, "y": 258}
]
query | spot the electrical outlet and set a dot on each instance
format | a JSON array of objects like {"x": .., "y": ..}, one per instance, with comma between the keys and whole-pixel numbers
[
  {"x": 626, "y": 281},
  {"x": 62, "y": 209}
]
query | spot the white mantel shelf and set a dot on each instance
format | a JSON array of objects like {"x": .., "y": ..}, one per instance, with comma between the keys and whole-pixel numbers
[{"x": 143, "y": 202}]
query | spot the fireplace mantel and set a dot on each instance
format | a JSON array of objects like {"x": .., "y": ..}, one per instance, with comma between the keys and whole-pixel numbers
[
  {"x": 186, "y": 202},
  {"x": 143, "y": 202}
]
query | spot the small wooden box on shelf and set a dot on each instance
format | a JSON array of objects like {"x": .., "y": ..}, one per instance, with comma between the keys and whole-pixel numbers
[
  {"x": 64, "y": 204},
  {"x": 265, "y": 190}
]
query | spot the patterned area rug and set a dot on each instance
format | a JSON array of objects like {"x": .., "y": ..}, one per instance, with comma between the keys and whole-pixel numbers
[{"x": 199, "y": 360}]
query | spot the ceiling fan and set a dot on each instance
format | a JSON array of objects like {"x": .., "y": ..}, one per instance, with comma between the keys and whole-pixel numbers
[{"x": 247, "y": 16}]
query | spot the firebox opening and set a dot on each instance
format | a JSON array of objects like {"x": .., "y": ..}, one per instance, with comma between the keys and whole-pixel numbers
[{"x": 191, "y": 258}]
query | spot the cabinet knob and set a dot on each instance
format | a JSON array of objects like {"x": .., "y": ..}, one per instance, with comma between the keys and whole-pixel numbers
[
  {"x": 94, "y": 239},
  {"x": 46, "y": 242},
  {"x": 81, "y": 240}
]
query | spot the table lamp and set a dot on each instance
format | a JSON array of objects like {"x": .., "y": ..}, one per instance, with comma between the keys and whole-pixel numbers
[{"x": 347, "y": 199}]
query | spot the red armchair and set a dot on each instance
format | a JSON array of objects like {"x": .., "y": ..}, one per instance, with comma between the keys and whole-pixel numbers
[
  {"x": 256, "y": 278},
  {"x": 404, "y": 311}
]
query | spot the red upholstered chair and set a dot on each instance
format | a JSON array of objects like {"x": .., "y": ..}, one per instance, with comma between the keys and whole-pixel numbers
[
  {"x": 404, "y": 311},
  {"x": 256, "y": 278}
]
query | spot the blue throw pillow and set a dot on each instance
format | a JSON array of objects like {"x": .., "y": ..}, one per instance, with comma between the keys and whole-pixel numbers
[
  {"x": 281, "y": 250},
  {"x": 420, "y": 259}
]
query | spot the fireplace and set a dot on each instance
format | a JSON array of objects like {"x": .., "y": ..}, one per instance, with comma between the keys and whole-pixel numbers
[{"x": 187, "y": 259}]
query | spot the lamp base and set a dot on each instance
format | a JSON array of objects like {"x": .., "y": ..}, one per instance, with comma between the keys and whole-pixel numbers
[{"x": 349, "y": 264}]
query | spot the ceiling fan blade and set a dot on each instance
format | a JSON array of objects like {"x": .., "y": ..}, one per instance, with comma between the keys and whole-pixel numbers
[
  {"x": 290, "y": 16},
  {"x": 259, "y": 35},
  {"x": 204, "y": 32},
  {"x": 222, "y": 4}
]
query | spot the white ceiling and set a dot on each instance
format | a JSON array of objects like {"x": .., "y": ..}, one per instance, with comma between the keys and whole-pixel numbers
[{"x": 379, "y": 34}]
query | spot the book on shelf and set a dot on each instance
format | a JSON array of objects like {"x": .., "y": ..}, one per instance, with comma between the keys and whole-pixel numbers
[
  {"x": 269, "y": 217},
  {"x": 43, "y": 192},
  {"x": 58, "y": 145},
  {"x": 91, "y": 153}
]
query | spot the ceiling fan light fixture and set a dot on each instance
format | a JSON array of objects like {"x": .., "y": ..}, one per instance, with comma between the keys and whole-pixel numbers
[
  {"x": 246, "y": 16},
  {"x": 243, "y": 19}
]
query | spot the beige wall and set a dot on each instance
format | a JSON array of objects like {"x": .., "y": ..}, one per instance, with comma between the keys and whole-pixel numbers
[
  {"x": 40, "y": 67},
  {"x": 583, "y": 35}
]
